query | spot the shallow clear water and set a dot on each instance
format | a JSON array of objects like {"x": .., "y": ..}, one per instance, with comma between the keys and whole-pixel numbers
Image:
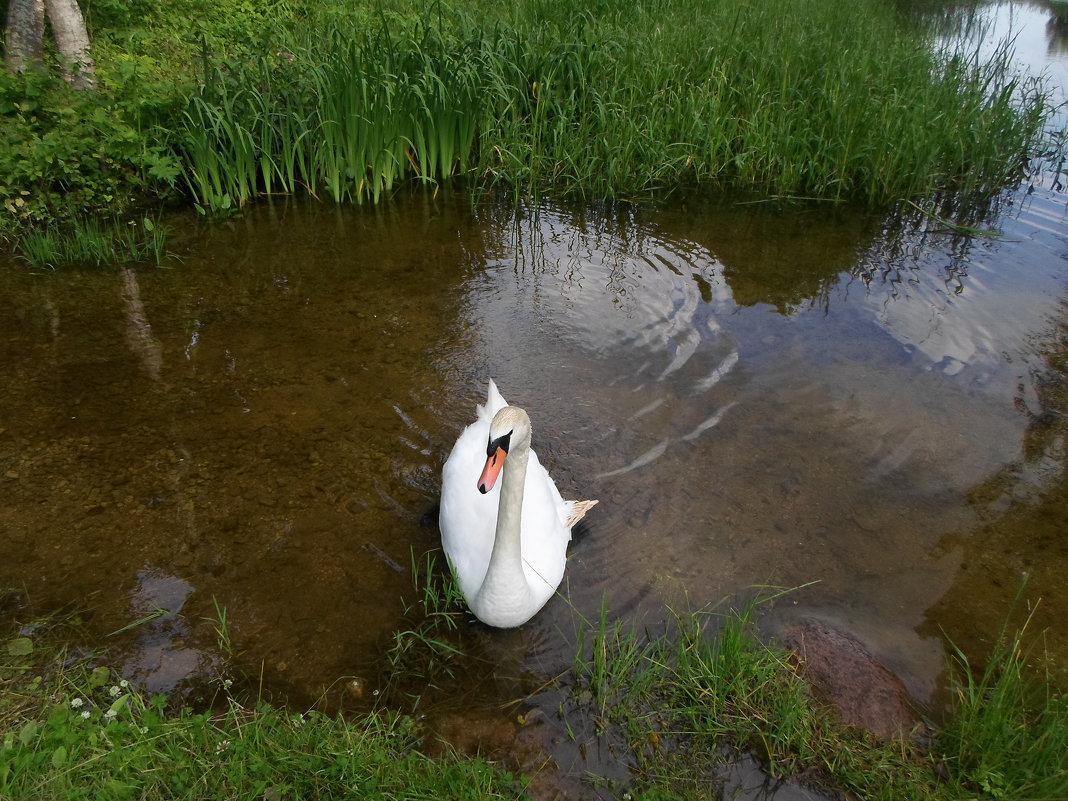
[{"x": 757, "y": 395}]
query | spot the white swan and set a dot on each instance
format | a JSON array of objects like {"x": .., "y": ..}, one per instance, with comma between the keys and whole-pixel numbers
[{"x": 506, "y": 541}]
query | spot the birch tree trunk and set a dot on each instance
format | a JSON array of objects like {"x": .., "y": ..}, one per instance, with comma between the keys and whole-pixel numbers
[
  {"x": 72, "y": 41},
  {"x": 24, "y": 35}
]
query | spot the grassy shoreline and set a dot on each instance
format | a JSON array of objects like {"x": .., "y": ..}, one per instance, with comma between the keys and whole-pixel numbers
[
  {"x": 71, "y": 727},
  {"x": 218, "y": 104},
  {"x": 677, "y": 705}
]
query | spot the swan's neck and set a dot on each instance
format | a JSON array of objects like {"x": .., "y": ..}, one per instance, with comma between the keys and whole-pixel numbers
[{"x": 505, "y": 587}]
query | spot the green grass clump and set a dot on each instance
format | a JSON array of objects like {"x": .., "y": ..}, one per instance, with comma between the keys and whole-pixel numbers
[
  {"x": 424, "y": 649},
  {"x": 89, "y": 242},
  {"x": 1008, "y": 737},
  {"x": 73, "y": 731},
  {"x": 687, "y": 699},
  {"x": 679, "y": 705}
]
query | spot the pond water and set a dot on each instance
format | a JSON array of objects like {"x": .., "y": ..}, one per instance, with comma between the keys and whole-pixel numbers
[{"x": 757, "y": 395}]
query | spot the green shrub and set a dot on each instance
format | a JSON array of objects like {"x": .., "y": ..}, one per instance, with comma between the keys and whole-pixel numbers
[{"x": 67, "y": 153}]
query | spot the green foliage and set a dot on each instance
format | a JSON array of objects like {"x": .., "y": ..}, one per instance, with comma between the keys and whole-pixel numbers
[
  {"x": 423, "y": 650},
  {"x": 603, "y": 99},
  {"x": 347, "y": 116},
  {"x": 1009, "y": 737},
  {"x": 230, "y": 99},
  {"x": 65, "y": 153}
]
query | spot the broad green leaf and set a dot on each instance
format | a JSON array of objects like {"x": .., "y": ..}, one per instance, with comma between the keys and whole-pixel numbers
[
  {"x": 20, "y": 646},
  {"x": 99, "y": 677},
  {"x": 121, "y": 703},
  {"x": 28, "y": 732}
]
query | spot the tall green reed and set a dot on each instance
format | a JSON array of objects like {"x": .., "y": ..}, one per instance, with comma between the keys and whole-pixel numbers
[
  {"x": 603, "y": 98},
  {"x": 350, "y": 116}
]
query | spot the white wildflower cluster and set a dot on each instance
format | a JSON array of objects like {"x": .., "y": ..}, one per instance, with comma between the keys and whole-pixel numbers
[{"x": 114, "y": 691}]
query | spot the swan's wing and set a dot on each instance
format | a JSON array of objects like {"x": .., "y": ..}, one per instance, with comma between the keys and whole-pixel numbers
[
  {"x": 540, "y": 484},
  {"x": 576, "y": 510},
  {"x": 545, "y": 535}
]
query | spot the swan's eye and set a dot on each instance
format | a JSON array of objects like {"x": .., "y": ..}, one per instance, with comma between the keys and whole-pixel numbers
[{"x": 501, "y": 442}]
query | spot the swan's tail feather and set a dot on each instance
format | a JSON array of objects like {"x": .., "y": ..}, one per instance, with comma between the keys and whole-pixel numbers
[{"x": 576, "y": 510}]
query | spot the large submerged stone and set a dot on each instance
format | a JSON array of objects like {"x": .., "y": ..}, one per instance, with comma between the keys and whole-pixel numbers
[{"x": 845, "y": 675}]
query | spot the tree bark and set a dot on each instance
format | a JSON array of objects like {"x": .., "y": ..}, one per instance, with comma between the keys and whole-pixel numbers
[
  {"x": 24, "y": 35},
  {"x": 72, "y": 41}
]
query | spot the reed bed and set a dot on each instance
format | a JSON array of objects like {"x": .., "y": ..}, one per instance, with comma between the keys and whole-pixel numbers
[
  {"x": 347, "y": 118},
  {"x": 606, "y": 98}
]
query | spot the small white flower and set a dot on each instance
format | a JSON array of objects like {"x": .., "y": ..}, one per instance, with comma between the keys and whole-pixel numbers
[
  {"x": 110, "y": 714},
  {"x": 76, "y": 702},
  {"x": 114, "y": 691},
  {"x": 85, "y": 714},
  {"x": 222, "y": 746},
  {"x": 124, "y": 684},
  {"x": 144, "y": 730},
  {"x": 227, "y": 683}
]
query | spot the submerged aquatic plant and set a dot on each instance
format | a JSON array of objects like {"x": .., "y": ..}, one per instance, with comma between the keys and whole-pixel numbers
[
  {"x": 422, "y": 651},
  {"x": 91, "y": 242}
]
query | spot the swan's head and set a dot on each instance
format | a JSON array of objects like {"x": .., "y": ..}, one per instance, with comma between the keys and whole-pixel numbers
[{"x": 509, "y": 431}]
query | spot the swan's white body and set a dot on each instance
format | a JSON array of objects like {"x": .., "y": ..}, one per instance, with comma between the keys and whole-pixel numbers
[{"x": 507, "y": 547}]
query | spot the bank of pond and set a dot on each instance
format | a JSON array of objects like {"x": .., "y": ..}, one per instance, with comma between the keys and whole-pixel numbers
[
  {"x": 674, "y": 709},
  {"x": 799, "y": 99}
]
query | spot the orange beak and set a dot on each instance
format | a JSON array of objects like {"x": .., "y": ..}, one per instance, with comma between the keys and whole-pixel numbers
[{"x": 494, "y": 463}]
